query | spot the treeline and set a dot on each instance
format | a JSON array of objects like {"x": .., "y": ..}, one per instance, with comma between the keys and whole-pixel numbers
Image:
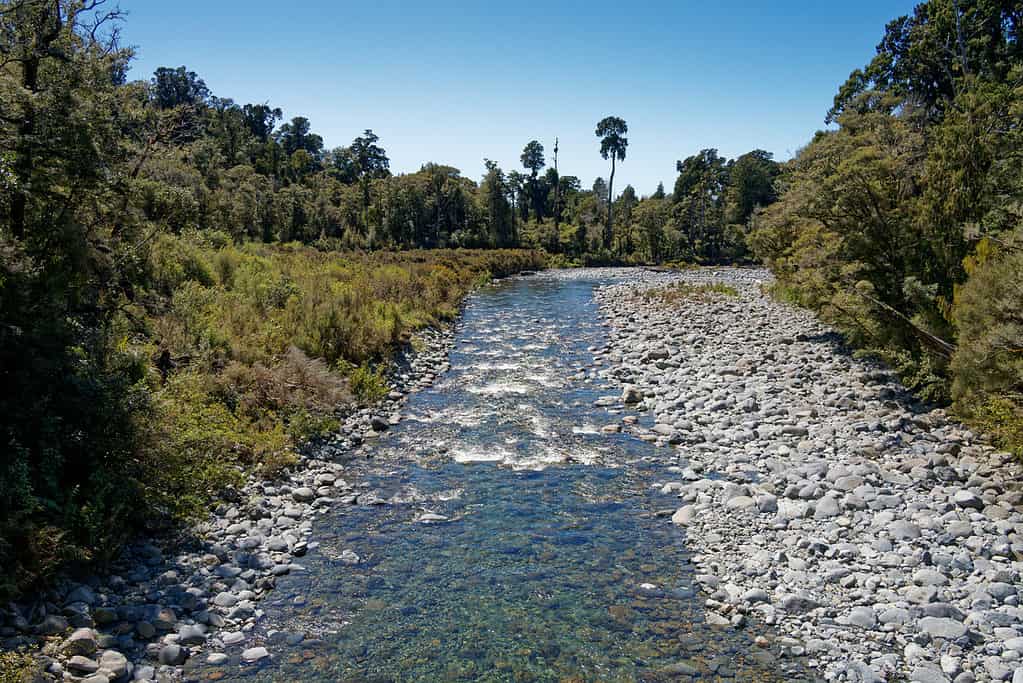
[
  {"x": 902, "y": 223},
  {"x": 208, "y": 163},
  {"x": 706, "y": 219}
]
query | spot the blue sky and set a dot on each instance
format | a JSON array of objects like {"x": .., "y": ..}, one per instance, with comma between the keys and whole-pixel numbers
[{"x": 455, "y": 82}]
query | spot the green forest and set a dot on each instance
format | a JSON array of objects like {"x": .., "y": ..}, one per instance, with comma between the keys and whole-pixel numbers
[{"x": 190, "y": 287}]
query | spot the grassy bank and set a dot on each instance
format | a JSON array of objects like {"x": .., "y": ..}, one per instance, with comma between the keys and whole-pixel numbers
[{"x": 238, "y": 353}]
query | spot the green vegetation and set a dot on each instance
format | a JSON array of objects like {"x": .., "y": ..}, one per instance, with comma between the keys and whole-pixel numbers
[
  {"x": 17, "y": 667},
  {"x": 190, "y": 288},
  {"x": 902, "y": 224},
  {"x": 175, "y": 312}
]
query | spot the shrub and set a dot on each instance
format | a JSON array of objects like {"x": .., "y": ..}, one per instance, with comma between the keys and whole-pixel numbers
[
  {"x": 367, "y": 384},
  {"x": 17, "y": 667},
  {"x": 988, "y": 363}
]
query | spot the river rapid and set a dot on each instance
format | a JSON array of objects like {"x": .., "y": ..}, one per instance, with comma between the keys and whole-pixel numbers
[{"x": 501, "y": 532}]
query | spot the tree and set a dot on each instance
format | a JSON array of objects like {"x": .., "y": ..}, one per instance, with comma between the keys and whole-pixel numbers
[
  {"x": 69, "y": 406},
  {"x": 297, "y": 135},
  {"x": 659, "y": 192},
  {"x": 699, "y": 196},
  {"x": 38, "y": 40},
  {"x": 370, "y": 159},
  {"x": 750, "y": 184},
  {"x": 626, "y": 202},
  {"x": 611, "y": 130},
  {"x": 178, "y": 87},
  {"x": 532, "y": 158},
  {"x": 260, "y": 119},
  {"x": 516, "y": 183},
  {"x": 500, "y": 213},
  {"x": 924, "y": 57}
]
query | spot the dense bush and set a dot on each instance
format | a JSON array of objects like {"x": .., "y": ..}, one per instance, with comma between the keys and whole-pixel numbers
[
  {"x": 988, "y": 363},
  {"x": 901, "y": 225}
]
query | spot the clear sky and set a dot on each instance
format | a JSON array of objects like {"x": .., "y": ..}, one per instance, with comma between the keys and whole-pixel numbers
[{"x": 455, "y": 82}]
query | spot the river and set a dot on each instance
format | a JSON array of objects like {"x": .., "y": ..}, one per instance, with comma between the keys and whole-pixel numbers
[{"x": 516, "y": 541}]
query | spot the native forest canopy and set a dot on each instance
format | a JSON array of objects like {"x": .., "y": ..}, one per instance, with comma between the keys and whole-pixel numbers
[{"x": 191, "y": 288}]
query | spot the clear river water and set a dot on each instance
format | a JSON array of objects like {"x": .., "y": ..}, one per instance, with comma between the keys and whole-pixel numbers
[{"x": 551, "y": 564}]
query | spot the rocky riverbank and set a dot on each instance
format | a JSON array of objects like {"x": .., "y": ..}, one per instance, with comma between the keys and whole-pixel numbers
[
  {"x": 880, "y": 538},
  {"x": 161, "y": 610}
]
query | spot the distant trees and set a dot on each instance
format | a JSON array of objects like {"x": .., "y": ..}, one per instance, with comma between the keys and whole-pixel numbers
[
  {"x": 611, "y": 130},
  {"x": 499, "y": 210}
]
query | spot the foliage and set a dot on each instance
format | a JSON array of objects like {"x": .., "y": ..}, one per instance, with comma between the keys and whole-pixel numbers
[
  {"x": 17, "y": 667},
  {"x": 611, "y": 130},
  {"x": 901, "y": 225},
  {"x": 168, "y": 341},
  {"x": 988, "y": 364},
  {"x": 368, "y": 384}
]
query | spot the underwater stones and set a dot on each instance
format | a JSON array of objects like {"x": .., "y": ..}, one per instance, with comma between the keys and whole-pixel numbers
[
  {"x": 255, "y": 654},
  {"x": 173, "y": 654},
  {"x": 192, "y": 634},
  {"x": 82, "y": 665},
  {"x": 431, "y": 518},
  {"x": 631, "y": 395}
]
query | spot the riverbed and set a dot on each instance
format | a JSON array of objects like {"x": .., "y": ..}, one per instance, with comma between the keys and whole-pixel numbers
[{"x": 503, "y": 533}]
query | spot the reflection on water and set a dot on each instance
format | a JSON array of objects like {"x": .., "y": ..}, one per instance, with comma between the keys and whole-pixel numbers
[{"x": 520, "y": 544}]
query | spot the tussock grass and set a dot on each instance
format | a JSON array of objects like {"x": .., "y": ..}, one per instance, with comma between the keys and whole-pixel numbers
[
  {"x": 271, "y": 343},
  {"x": 679, "y": 292}
]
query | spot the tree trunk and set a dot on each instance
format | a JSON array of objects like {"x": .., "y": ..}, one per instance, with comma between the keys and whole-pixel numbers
[
  {"x": 557, "y": 190},
  {"x": 610, "y": 196},
  {"x": 24, "y": 162}
]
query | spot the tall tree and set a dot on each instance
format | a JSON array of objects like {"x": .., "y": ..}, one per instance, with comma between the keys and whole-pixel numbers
[
  {"x": 533, "y": 160},
  {"x": 516, "y": 184},
  {"x": 699, "y": 194},
  {"x": 557, "y": 192},
  {"x": 500, "y": 213},
  {"x": 611, "y": 130},
  {"x": 750, "y": 184},
  {"x": 298, "y": 135},
  {"x": 369, "y": 157},
  {"x": 261, "y": 119},
  {"x": 177, "y": 87}
]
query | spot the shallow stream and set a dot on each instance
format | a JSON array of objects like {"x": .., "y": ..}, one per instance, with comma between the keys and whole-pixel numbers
[{"x": 551, "y": 563}]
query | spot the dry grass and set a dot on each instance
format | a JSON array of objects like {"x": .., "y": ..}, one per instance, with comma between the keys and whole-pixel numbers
[{"x": 680, "y": 292}]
